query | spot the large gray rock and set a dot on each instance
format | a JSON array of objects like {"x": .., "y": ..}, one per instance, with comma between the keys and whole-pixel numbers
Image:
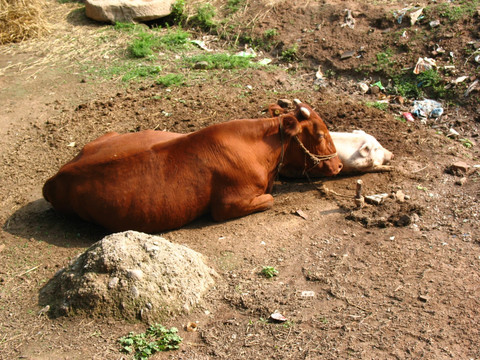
[
  {"x": 130, "y": 275},
  {"x": 127, "y": 10}
]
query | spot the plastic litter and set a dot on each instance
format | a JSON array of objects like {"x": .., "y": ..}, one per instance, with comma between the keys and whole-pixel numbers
[
  {"x": 427, "y": 108},
  {"x": 424, "y": 64},
  {"x": 379, "y": 85},
  {"x": 415, "y": 16},
  {"x": 408, "y": 116},
  {"x": 248, "y": 52},
  {"x": 201, "y": 44},
  {"x": 265, "y": 61},
  {"x": 278, "y": 317},
  {"x": 414, "y": 13}
]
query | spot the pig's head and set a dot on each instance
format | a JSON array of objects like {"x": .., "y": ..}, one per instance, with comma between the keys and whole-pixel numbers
[{"x": 371, "y": 150}]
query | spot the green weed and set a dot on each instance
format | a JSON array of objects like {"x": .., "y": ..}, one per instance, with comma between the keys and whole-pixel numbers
[
  {"x": 204, "y": 17},
  {"x": 428, "y": 83},
  {"x": 269, "y": 271},
  {"x": 171, "y": 80},
  {"x": 234, "y": 5},
  {"x": 377, "y": 105},
  {"x": 290, "y": 54},
  {"x": 458, "y": 11},
  {"x": 467, "y": 143},
  {"x": 141, "y": 71},
  {"x": 178, "y": 12},
  {"x": 127, "y": 27},
  {"x": 221, "y": 61},
  {"x": 147, "y": 43},
  {"x": 143, "y": 45},
  {"x": 156, "y": 338},
  {"x": 270, "y": 33},
  {"x": 385, "y": 62}
]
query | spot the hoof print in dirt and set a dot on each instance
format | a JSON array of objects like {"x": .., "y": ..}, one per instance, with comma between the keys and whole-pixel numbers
[{"x": 130, "y": 275}]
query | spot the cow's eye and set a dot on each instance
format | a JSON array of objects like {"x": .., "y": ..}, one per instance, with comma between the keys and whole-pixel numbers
[{"x": 321, "y": 134}]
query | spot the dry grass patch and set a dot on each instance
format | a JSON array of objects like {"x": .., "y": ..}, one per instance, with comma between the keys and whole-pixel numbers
[{"x": 21, "y": 20}]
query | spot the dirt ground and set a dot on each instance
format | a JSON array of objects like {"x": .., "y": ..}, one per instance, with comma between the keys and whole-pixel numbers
[{"x": 400, "y": 280}]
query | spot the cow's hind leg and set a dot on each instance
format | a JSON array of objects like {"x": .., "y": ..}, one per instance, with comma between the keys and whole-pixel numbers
[{"x": 225, "y": 210}]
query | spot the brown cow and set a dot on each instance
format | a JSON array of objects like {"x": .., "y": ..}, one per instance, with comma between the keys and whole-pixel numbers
[{"x": 135, "y": 181}]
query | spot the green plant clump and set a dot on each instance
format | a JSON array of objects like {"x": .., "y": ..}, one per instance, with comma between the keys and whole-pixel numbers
[
  {"x": 171, "y": 80},
  {"x": 377, "y": 105},
  {"x": 291, "y": 53},
  {"x": 143, "y": 45},
  {"x": 221, "y": 61},
  {"x": 204, "y": 17},
  {"x": 141, "y": 71},
  {"x": 156, "y": 338},
  {"x": 269, "y": 271},
  {"x": 146, "y": 43},
  {"x": 234, "y": 5},
  {"x": 178, "y": 12},
  {"x": 459, "y": 10}
]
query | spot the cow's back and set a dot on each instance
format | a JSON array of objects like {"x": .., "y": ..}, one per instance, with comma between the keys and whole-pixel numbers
[{"x": 130, "y": 182}]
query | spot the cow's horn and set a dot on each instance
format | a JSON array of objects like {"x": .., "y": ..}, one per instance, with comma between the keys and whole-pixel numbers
[
  {"x": 305, "y": 112},
  {"x": 296, "y": 101}
]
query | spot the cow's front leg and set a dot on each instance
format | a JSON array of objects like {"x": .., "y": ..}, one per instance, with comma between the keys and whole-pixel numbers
[{"x": 229, "y": 209}]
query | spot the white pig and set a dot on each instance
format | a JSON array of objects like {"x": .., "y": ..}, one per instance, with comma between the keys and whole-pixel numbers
[{"x": 360, "y": 152}]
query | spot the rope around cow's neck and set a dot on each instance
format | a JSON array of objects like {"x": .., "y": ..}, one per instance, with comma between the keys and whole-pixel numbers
[{"x": 317, "y": 159}]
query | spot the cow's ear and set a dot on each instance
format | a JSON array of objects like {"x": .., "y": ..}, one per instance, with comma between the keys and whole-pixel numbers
[
  {"x": 291, "y": 125},
  {"x": 365, "y": 149}
]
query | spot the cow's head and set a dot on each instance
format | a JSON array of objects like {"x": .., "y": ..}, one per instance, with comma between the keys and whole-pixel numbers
[{"x": 311, "y": 151}]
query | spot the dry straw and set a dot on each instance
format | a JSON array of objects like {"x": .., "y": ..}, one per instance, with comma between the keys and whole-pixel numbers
[{"x": 21, "y": 20}]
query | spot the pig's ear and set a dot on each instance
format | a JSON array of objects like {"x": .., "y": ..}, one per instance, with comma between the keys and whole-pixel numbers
[
  {"x": 365, "y": 149},
  {"x": 291, "y": 125}
]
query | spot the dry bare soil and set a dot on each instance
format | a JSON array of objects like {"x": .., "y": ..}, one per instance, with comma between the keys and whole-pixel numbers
[{"x": 398, "y": 280}]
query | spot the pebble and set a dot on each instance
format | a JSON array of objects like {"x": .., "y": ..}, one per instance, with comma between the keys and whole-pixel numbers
[
  {"x": 400, "y": 196},
  {"x": 376, "y": 199},
  {"x": 135, "y": 274},
  {"x": 347, "y": 54},
  {"x": 113, "y": 282},
  {"x": 201, "y": 65}
]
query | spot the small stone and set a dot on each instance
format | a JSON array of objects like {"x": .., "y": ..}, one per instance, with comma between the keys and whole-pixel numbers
[
  {"x": 374, "y": 90},
  {"x": 134, "y": 291},
  {"x": 301, "y": 214},
  {"x": 308, "y": 293},
  {"x": 461, "y": 181},
  {"x": 113, "y": 282},
  {"x": 347, "y": 54},
  {"x": 434, "y": 23},
  {"x": 400, "y": 196},
  {"x": 459, "y": 168},
  {"x": 363, "y": 87},
  {"x": 201, "y": 65},
  {"x": 376, "y": 199},
  {"x": 135, "y": 274},
  {"x": 423, "y": 298}
]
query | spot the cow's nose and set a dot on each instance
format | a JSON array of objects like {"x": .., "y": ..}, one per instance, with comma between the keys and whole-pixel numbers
[{"x": 340, "y": 167}]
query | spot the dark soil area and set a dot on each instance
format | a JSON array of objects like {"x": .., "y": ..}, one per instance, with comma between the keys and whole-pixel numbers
[{"x": 396, "y": 280}]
